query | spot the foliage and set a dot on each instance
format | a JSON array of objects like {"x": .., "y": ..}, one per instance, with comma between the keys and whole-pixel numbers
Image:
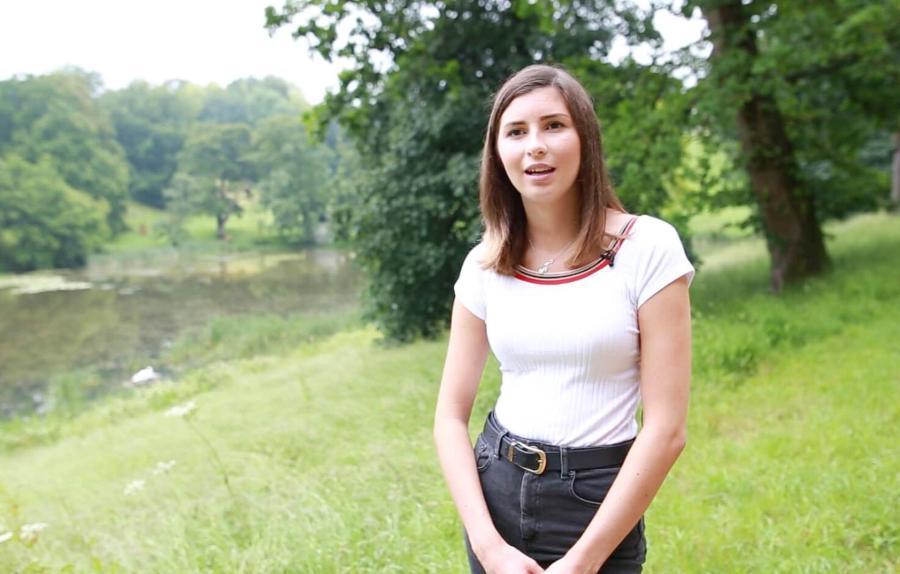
[
  {"x": 246, "y": 132},
  {"x": 829, "y": 66},
  {"x": 294, "y": 173},
  {"x": 214, "y": 172},
  {"x": 416, "y": 104},
  {"x": 56, "y": 116},
  {"x": 44, "y": 222},
  {"x": 343, "y": 202},
  {"x": 250, "y": 100},
  {"x": 151, "y": 124},
  {"x": 185, "y": 196},
  {"x": 643, "y": 111},
  {"x": 192, "y": 145}
]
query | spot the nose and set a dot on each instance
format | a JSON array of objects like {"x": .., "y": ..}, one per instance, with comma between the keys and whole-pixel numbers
[{"x": 536, "y": 146}]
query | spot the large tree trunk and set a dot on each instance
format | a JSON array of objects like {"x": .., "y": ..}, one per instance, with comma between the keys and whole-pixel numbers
[
  {"x": 793, "y": 235},
  {"x": 895, "y": 174}
]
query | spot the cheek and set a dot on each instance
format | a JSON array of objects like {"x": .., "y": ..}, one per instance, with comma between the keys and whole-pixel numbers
[
  {"x": 507, "y": 155},
  {"x": 573, "y": 152}
]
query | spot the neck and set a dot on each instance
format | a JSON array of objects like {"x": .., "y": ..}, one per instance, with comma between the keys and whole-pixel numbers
[{"x": 552, "y": 227}]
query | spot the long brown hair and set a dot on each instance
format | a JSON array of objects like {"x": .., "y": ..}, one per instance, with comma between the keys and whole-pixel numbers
[{"x": 501, "y": 204}]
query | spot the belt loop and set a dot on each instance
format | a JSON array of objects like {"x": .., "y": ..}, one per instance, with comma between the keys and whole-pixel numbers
[
  {"x": 498, "y": 446},
  {"x": 501, "y": 432},
  {"x": 563, "y": 462}
]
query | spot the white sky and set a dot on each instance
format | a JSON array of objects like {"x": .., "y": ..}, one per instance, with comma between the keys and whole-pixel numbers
[{"x": 202, "y": 41}]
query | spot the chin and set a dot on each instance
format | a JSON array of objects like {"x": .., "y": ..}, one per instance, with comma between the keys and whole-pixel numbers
[{"x": 543, "y": 195}]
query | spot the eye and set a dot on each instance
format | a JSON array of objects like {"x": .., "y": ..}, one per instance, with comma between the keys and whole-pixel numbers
[
  {"x": 513, "y": 132},
  {"x": 555, "y": 125}
]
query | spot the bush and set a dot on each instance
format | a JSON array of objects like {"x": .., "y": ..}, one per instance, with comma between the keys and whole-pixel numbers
[{"x": 43, "y": 221}]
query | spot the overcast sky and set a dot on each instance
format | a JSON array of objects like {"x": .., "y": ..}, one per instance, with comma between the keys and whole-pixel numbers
[{"x": 201, "y": 41}]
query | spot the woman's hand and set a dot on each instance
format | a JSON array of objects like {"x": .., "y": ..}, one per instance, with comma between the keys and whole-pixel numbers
[
  {"x": 568, "y": 565},
  {"x": 506, "y": 559}
]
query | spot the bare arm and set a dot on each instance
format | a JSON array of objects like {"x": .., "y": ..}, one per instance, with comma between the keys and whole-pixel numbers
[
  {"x": 466, "y": 356},
  {"x": 665, "y": 327}
]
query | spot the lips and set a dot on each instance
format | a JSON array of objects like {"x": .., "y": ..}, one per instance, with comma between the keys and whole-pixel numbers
[{"x": 539, "y": 169}]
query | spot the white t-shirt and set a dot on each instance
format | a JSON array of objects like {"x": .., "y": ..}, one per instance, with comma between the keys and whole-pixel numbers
[{"x": 568, "y": 344}]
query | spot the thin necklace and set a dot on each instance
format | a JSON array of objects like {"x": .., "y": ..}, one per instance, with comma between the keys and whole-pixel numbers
[{"x": 545, "y": 266}]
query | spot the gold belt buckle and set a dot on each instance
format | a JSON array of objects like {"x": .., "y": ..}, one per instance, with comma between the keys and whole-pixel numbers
[{"x": 542, "y": 456}]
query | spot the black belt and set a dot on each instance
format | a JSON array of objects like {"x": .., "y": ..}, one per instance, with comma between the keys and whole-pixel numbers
[{"x": 537, "y": 458}]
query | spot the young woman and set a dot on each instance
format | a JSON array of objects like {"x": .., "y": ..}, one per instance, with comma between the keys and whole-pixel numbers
[{"x": 586, "y": 309}]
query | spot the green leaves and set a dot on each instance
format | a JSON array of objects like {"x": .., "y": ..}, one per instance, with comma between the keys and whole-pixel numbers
[
  {"x": 151, "y": 123},
  {"x": 294, "y": 175},
  {"x": 214, "y": 173},
  {"x": 55, "y": 116},
  {"x": 43, "y": 221}
]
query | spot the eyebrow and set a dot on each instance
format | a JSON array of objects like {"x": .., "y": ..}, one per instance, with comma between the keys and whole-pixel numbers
[{"x": 542, "y": 118}]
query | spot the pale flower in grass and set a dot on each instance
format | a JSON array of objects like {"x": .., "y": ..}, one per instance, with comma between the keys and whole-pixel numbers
[
  {"x": 181, "y": 411},
  {"x": 163, "y": 467},
  {"x": 29, "y": 532},
  {"x": 134, "y": 487},
  {"x": 5, "y": 536}
]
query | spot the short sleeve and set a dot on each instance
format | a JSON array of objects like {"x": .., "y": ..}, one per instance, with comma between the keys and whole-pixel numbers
[
  {"x": 469, "y": 287},
  {"x": 662, "y": 259}
]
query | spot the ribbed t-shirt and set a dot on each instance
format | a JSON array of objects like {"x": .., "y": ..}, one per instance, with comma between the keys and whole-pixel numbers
[{"x": 568, "y": 343}]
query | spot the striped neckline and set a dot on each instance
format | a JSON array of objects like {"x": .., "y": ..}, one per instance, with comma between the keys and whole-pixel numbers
[{"x": 606, "y": 258}]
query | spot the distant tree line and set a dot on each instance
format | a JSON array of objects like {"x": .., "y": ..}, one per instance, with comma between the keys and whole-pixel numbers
[
  {"x": 73, "y": 155},
  {"x": 791, "y": 112}
]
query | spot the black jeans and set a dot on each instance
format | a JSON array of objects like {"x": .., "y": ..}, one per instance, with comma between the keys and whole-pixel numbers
[{"x": 544, "y": 515}]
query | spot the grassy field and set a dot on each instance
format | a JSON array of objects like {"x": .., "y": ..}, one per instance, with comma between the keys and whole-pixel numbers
[
  {"x": 252, "y": 230},
  {"x": 317, "y": 456}
]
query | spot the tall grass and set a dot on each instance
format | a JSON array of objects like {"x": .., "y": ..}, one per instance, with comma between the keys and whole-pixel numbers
[{"x": 791, "y": 464}]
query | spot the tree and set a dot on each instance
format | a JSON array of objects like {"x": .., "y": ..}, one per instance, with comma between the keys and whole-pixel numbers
[
  {"x": 214, "y": 172},
  {"x": 249, "y": 100},
  {"x": 44, "y": 222},
  {"x": 806, "y": 85},
  {"x": 294, "y": 175},
  {"x": 793, "y": 234},
  {"x": 56, "y": 116},
  {"x": 151, "y": 124}
]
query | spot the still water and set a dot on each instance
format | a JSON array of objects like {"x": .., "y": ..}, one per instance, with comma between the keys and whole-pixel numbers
[{"x": 119, "y": 313}]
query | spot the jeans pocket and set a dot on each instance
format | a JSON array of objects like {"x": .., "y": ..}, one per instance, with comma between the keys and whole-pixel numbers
[
  {"x": 483, "y": 455},
  {"x": 590, "y": 486}
]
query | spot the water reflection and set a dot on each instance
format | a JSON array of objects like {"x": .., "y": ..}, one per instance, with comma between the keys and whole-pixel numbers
[{"x": 112, "y": 317}]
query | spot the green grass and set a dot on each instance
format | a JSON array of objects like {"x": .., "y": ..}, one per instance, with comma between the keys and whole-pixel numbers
[
  {"x": 252, "y": 230},
  {"x": 199, "y": 360},
  {"x": 791, "y": 463}
]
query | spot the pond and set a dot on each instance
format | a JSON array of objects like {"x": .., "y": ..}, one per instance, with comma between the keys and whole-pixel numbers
[{"x": 123, "y": 310}]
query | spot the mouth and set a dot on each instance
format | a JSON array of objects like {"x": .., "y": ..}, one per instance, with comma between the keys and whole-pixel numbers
[{"x": 539, "y": 170}]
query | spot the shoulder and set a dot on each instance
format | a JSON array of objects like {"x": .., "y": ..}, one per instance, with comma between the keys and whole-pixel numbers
[
  {"x": 477, "y": 250},
  {"x": 475, "y": 257},
  {"x": 469, "y": 286},
  {"x": 472, "y": 266},
  {"x": 650, "y": 230},
  {"x": 651, "y": 234},
  {"x": 656, "y": 256}
]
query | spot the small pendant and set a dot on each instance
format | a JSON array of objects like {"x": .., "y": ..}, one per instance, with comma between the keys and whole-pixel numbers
[{"x": 544, "y": 267}]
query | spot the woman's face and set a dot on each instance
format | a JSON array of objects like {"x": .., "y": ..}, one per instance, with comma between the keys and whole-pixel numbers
[{"x": 539, "y": 146}]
